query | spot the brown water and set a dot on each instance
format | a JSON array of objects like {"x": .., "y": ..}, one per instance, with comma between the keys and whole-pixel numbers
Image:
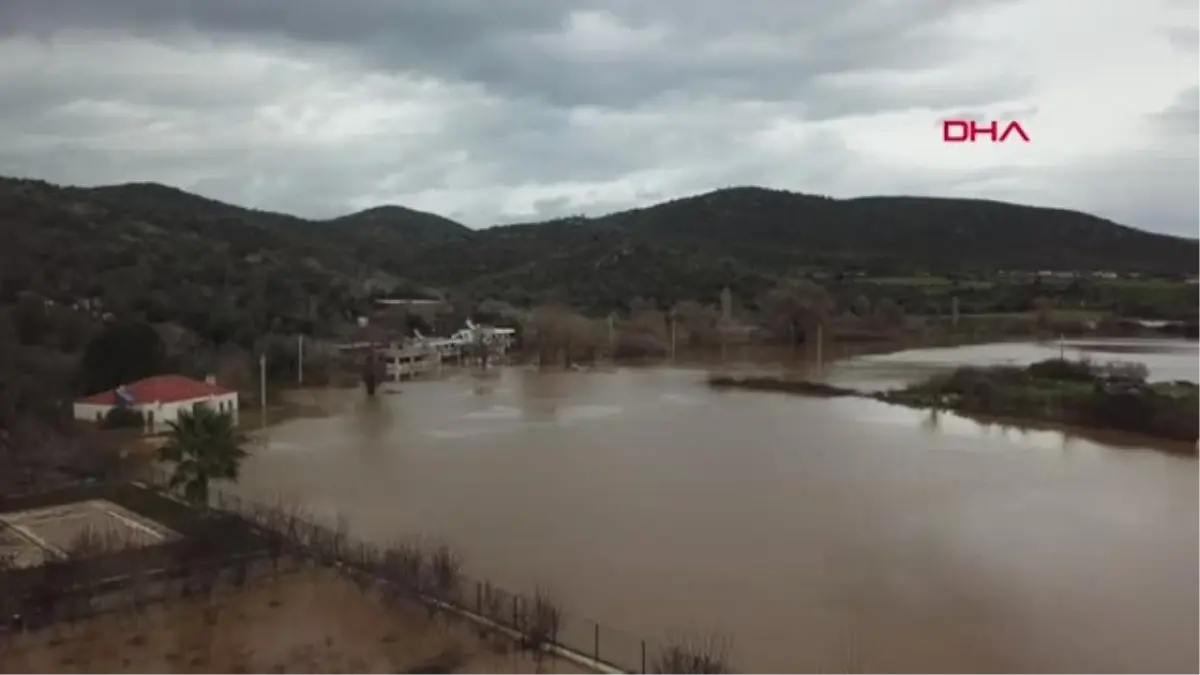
[{"x": 821, "y": 534}]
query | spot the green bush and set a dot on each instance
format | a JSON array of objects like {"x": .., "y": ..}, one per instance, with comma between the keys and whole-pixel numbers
[
  {"x": 1064, "y": 370},
  {"x": 123, "y": 418}
]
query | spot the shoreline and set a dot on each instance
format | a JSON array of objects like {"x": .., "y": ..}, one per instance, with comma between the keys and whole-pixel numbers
[{"x": 1063, "y": 413}]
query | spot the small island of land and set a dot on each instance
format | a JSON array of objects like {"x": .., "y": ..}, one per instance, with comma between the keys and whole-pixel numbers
[{"x": 1115, "y": 397}]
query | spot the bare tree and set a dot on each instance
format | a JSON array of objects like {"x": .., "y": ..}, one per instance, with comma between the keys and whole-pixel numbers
[
  {"x": 445, "y": 573},
  {"x": 560, "y": 336},
  {"x": 861, "y": 307},
  {"x": 539, "y": 621},
  {"x": 405, "y": 565},
  {"x": 889, "y": 313},
  {"x": 697, "y": 322},
  {"x": 1043, "y": 308},
  {"x": 694, "y": 654},
  {"x": 794, "y": 307}
]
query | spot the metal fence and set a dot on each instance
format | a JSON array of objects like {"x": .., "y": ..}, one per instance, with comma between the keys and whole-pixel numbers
[
  {"x": 54, "y": 597},
  {"x": 431, "y": 576},
  {"x": 288, "y": 541}
]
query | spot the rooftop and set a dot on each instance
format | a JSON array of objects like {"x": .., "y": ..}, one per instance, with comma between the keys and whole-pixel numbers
[{"x": 160, "y": 388}]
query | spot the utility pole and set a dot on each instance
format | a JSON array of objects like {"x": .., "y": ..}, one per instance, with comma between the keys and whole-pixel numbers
[
  {"x": 262, "y": 386},
  {"x": 300, "y": 359}
]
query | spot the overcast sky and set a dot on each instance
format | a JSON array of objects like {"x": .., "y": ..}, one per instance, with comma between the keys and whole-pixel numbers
[{"x": 502, "y": 110}]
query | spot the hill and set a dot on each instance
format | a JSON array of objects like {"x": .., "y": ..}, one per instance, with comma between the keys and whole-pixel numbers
[
  {"x": 164, "y": 252},
  {"x": 226, "y": 272},
  {"x": 907, "y": 233},
  {"x": 746, "y": 237},
  {"x": 217, "y": 278}
]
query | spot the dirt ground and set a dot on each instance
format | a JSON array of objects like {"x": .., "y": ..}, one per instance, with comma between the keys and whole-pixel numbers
[{"x": 307, "y": 622}]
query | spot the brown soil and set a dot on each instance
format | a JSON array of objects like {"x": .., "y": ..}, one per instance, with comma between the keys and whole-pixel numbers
[{"x": 305, "y": 622}]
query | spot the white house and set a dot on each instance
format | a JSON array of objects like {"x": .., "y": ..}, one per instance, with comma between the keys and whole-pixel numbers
[{"x": 159, "y": 399}]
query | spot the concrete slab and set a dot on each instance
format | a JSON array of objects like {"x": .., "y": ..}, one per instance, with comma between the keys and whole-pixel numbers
[{"x": 36, "y": 535}]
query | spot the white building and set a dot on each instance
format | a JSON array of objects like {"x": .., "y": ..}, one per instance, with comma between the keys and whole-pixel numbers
[{"x": 159, "y": 399}]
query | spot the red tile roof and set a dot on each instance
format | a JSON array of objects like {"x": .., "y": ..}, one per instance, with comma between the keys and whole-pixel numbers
[{"x": 164, "y": 388}]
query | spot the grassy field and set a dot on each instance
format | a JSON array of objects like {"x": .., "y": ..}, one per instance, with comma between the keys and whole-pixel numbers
[
  {"x": 1054, "y": 315},
  {"x": 1143, "y": 284},
  {"x": 307, "y": 622},
  {"x": 927, "y": 282}
]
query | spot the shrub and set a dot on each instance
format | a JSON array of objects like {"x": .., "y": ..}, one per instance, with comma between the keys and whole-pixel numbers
[
  {"x": 707, "y": 654},
  {"x": 1129, "y": 371},
  {"x": 123, "y": 418},
  {"x": 1063, "y": 369}
]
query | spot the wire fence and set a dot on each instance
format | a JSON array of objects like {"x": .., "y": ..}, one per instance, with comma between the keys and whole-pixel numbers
[
  {"x": 431, "y": 574},
  {"x": 58, "y": 593},
  {"x": 239, "y": 542}
]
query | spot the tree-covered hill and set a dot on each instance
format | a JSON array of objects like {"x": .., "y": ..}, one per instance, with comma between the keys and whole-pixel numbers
[
  {"x": 918, "y": 233},
  {"x": 166, "y": 253}
]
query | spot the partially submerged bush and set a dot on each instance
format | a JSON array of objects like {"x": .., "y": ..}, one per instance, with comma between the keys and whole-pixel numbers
[
  {"x": 1063, "y": 369},
  {"x": 1129, "y": 371}
]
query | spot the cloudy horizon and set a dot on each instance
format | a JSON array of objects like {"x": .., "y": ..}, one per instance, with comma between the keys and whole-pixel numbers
[{"x": 496, "y": 112}]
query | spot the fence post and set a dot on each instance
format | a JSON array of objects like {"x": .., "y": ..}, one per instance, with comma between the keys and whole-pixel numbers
[
  {"x": 643, "y": 656},
  {"x": 596, "y": 641}
]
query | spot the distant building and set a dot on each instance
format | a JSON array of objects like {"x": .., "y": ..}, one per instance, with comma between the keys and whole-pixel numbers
[{"x": 159, "y": 399}]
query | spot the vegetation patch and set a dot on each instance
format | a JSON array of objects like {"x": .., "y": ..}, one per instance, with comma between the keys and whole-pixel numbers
[
  {"x": 1114, "y": 396},
  {"x": 790, "y": 386}
]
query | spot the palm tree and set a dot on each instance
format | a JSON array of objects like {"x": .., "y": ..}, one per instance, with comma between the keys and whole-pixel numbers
[{"x": 204, "y": 445}]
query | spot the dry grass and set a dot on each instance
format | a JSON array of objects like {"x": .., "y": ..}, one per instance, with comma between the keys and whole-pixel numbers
[{"x": 311, "y": 621}]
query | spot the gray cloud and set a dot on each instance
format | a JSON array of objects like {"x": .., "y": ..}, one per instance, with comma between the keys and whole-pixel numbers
[
  {"x": 500, "y": 111},
  {"x": 584, "y": 52},
  {"x": 1181, "y": 118},
  {"x": 1184, "y": 38}
]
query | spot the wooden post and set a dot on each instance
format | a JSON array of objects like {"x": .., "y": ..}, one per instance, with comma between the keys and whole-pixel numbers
[
  {"x": 672, "y": 336},
  {"x": 300, "y": 359},
  {"x": 611, "y": 337},
  {"x": 262, "y": 386},
  {"x": 820, "y": 347}
]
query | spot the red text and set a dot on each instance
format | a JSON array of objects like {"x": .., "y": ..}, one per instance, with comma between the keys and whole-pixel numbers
[{"x": 969, "y": 131}]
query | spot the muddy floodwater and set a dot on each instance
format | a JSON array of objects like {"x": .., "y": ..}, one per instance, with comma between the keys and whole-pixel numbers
[{"x": 820, "y": 534}]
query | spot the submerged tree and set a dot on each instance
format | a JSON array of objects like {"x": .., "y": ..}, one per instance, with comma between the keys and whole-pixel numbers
[
  {"x": 204, "y": 445},
  {"x": 794, "y": 307}
]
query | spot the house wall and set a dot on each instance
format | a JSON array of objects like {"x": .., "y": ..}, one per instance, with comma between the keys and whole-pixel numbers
[
  {"x": 91, "y": 412},
  {"x": 158, "y": 415},
  {"x": 164, "y": 413}
]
